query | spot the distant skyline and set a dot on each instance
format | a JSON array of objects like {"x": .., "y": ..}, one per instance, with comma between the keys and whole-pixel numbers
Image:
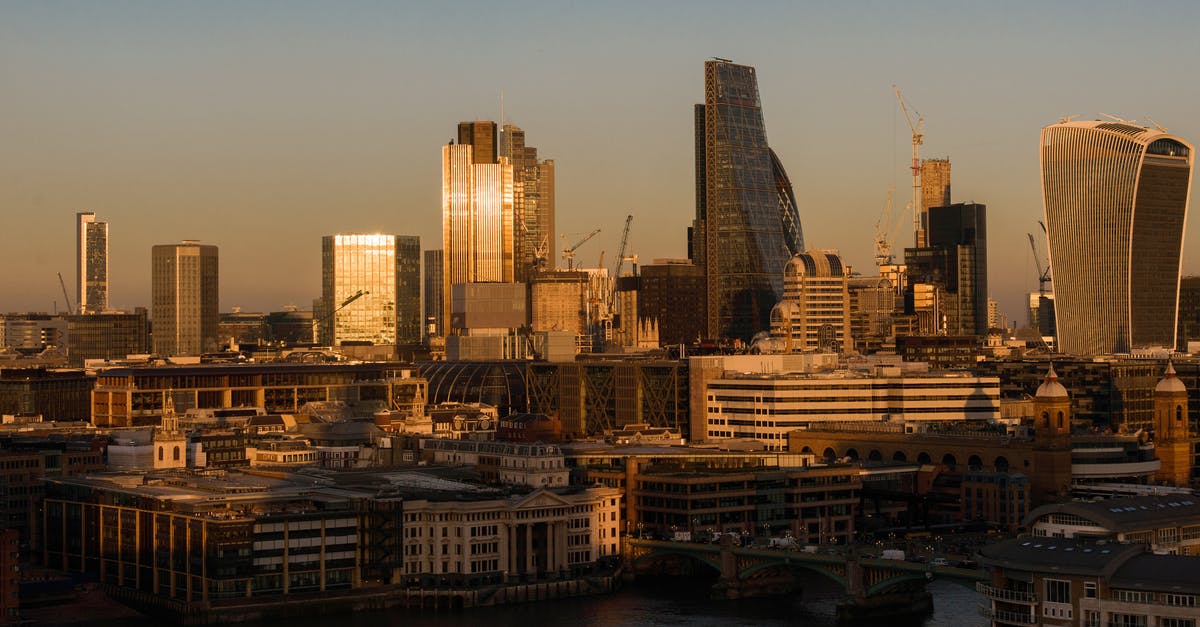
[{"x": 259, "y": 127}]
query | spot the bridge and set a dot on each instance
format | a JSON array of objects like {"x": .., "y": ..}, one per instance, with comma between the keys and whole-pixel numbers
[{"x": 873, "y": 586}]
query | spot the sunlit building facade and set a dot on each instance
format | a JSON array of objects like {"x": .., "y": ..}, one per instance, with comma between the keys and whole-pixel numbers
[
  {"x": 935, "y": 192},
  {"x": 184, "y": 292},
  {"x": 91, "y": 259},
  {"x": 747, "y": 224},
  {"x": 533, "y": 203},
  {"x": 385, "y": 270},
  {"x": 1115, "y": 197},
  {"x": 815, "y": 311},
  {"x": 477, "y": 211}
]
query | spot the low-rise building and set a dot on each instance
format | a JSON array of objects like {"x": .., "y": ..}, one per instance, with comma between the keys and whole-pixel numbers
[
  {"x": 534, "y": 465},
  {"x": 1168, "y": 524}
]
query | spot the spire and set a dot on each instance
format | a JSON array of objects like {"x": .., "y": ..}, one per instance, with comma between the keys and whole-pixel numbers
[
  {"x": 1051, "y": 388},
  {"x": 1170, "y": 382}
]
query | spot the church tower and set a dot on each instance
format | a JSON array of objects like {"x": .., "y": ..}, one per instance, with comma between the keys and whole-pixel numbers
[
  {"x": 1051, "y": 474},
  {"x": 1172, "y": 434}
]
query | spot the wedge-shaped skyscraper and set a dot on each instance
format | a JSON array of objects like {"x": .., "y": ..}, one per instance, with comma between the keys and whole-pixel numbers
[
  {"x": 747, "y": 225},
  {"x": 1116, "y": 197}
]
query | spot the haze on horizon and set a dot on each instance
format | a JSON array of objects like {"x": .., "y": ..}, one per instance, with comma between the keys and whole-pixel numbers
[{"x": 262, "y": 126}]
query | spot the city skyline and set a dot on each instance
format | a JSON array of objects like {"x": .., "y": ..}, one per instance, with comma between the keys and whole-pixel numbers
[{"x": 170, "y": 139}]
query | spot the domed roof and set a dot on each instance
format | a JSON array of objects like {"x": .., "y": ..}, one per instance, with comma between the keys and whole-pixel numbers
[
  {"x": 1051, "y": 388},
  {"x": 1170, "y": 382}
]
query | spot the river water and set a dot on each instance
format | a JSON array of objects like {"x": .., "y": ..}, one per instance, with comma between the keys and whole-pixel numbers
[{"x": 678, "y": 602}]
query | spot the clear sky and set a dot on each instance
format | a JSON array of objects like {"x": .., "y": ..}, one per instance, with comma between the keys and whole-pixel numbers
[{"x": 261, "y": 126}]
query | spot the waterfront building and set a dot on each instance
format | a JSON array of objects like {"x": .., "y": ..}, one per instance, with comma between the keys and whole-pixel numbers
[
  {"x": 91, "y": 264},
  {"x": 1164, "y": 523},
  {"x": 370, "y": 288},
  {"x": 184, "y": 296},
  {"x": 1115, "y": 198},
  {"x": 747, "y": 224},
  {"x": 815, "y": 311},
  {"x": 435, "y": 324},
  {"x": 1072, "y": 581},
  {"x": 477, "y": 211}
]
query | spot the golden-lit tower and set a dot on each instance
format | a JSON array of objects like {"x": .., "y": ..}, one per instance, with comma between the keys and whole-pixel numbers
[
  {"x": 1172, "y": 434},
  {"x": 1051, "y": 475}
]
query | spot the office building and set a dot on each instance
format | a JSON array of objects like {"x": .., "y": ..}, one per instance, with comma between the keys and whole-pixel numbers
[
  {"x": 184, "y": 293},
  {"x": 597, "y": 394},
  {"x": 671, "y": 294},
  {"x": 935, "y": 192},
  {"x": 815, "y": 311},
  {"x": 91, "y": 264},
  {"x": 1115, "y": 197},
  {"x": 559, "y": 302},
  {"x": 109, "y": 335},
  {"x": 32, "y": 332},
  {"x": 370, "y": 288},
  {"x": 1189, "y": 313},
  {"x": 872, "y": 312},
  {"x": 477, "y": 211},
  {"x": 434, "y": 290},
  {"x": 533, "y": 203},
  {"x": 955, "y": 261},
  {"x": 747, "y": 224}
]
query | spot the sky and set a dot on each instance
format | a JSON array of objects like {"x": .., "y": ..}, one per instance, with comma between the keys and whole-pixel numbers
[{"x": 261, "y": 126}]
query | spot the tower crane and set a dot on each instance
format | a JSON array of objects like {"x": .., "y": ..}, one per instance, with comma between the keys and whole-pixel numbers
[
  {"x": 63, "y": 285},
  {"x": 612, "y": 297},
  {"x": 1043, "y": 272},
  {"x": 540, "y": 250},
  {"x": 917, "y": 126},
  {"x": 884, "y": 232},
  {"x": 568, "y": 254}
]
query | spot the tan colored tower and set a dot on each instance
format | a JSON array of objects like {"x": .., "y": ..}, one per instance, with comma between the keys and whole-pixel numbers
[
  {"x": 935, "y": 192},
  {"x": 1172, "y": 435},
  {"x": 183, "y": 293},
  {"x": 1051, "y": 473}
]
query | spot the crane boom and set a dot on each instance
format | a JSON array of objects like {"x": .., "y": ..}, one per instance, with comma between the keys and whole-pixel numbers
[
  {"x": 620, "y": 262},
  {"x": 63, "y": 285},
  {"x": 917, "y": 126},
  {"x": 568, "y": 254},
  {"x": 1043, "y": 271}
]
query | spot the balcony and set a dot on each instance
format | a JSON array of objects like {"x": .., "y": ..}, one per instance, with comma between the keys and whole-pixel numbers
[
  {"x": 1016, "y": 618},
  {"x": 1000, "y": 594}
]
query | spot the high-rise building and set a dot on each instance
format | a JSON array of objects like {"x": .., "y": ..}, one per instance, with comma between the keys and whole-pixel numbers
[
  {"x": 671, "y": 295},
  {"x": 477, "y": 211},
  {"x": 184, "y": 293},
  {"x": 434, "y": 322},
  {"x": 935, "y": 192},
  {"x": 961, "y": 230},
  {"x": 533, "y": 203},
  {"x": 109, "y": 335},
  {"x": 815, "y": 311},
  {"x": 1115, "y": 197},
  {"x": 747, "y": 225},
  {"x": 91, "y": 263},
  {"x": 367, "y": 285}
]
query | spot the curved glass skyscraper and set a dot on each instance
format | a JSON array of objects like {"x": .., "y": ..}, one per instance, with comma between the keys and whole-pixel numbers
[
  {"x": 1116, "y": 198},
  {"x": 747, "y": 225}
]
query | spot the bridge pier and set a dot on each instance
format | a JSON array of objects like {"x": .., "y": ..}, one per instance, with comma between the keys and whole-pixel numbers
[{"x": 891, "y": 608}]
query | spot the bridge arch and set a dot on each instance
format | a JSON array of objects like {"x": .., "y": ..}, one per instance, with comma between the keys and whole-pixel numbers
[
  {"x": 898, "y": 580},
  {"x": 899, "y": 456},
  {"x": 790, "y": 565},
  {"x": 950, "y": 461},
  {"x": 924, "y": 458},
  {"x": 703, "y": 557},
  {"x": 829, "y": 454}
]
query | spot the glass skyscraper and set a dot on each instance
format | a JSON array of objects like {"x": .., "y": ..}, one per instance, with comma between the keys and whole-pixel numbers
[
  {"x": 385, "y": 269},
  {"x": 747, "y": 224},
  {"x": 91, "y": 258},
  {"x": 1116, "y": 198}
]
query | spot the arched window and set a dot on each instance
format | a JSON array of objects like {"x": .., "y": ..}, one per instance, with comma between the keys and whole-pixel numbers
[
  {"x": 1060, "y": 420},
  {"x": 1046, "y": 419},
  {"x": 160, "y": 453},
  {"x": 1179, "y": 413},
  {"x": 175, "y": 456}
]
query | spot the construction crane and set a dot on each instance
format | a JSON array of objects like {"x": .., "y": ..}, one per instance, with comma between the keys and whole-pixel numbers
[
  {"x": 568, "y": 254},
  {"x": 540, "y": 250},
  {"x": 612, "y": 297},
  {"x": 883, "y": 232},
  {"x": 63, "y": 285},
  {"x": 917, "y": 126},
  {"x": 1043, "y": 272},
  {"x": 353, "y": 297}
]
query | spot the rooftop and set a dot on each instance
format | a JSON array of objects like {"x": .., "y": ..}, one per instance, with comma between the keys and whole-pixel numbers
[{"x": 1128, "y": 514}]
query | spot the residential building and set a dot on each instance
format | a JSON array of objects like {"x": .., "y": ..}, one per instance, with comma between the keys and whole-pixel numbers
[
  {"x": 1116, "y": 199},
  {"x": 747, "y": 224},
  {"x": 91, "y": 264},
  {"x": 1165, "y": 523},
  {"x": 184, "y": 296}
]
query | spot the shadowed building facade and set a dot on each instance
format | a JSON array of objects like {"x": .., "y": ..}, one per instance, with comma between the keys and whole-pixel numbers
[
  {"x": 747, "y": 224},
  {"x": 1115, "y": 197}
]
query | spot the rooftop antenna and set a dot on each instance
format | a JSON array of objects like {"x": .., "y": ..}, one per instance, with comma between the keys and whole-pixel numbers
[{"x": 501, "y": 108}]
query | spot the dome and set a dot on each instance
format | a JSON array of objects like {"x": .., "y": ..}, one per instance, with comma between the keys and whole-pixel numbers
[
  {"x": 1170, "y": 383},
  {"x": 1051, "y": 388}
]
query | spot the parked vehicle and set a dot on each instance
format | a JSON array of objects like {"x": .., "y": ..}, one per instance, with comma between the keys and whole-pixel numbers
[
  {"x": 892, "y": 554},
  {"x": 783, "y": 543}
]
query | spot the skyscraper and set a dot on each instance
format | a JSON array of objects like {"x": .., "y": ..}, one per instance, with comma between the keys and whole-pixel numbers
[
  {"x": 961, "y": 231},
  {"x": 91, "y": 263},
  {"x": 747, "y": 225},
  {"x": 935, "y": 192},
  {"x": 367, "y": 289},
  {"x": 434, "y": 323},
  {"x": 477, "y": 211},
  {"x": 533, "y": 203},
  {"x": 815, "y": 311},
  {"x": 184, "y": 293},
  {"x": 1115, "y": 197}
]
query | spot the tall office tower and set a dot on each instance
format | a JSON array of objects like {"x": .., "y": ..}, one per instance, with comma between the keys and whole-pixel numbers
[
  {"x": 935, "y": 192},
  {"x": 961, "y": 231},
  {"x": 184, "y": 293},
  {"x": 477, "y": 211},
  {"x": 872, "y": 312},
  {"x": 993, "y": 315},
  {"x": 747, "y": 225},
  {"x": 815, "y": 311},
  {"x": 434, "y": 323},
  {"x": 1115, "y": 197},
  {"x": 408, "y": 289},
  {"x": 91, "y": 263},
  {"x": 671, "y": 295},
  {"x": 367, "y": 286},
  {"x": 533, "y": 203}
]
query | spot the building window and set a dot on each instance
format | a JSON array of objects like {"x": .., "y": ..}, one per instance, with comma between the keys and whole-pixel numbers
[
  {"x": 1060, "y": 420},
  {"x": 1089, "y": 589},
  {"x": 160, "y": 453},
  {"x": 1177, "y": 622},
  {"x": 175, "y": 455},
  {"x": 1058, "y": 591},
  {"x": 1127, "y": 620}
]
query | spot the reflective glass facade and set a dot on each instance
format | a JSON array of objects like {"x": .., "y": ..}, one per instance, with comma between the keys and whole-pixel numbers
[
  {"x": 747, "y": 224},
  {"x": 533, "y": 203},
  {"x": 1115, "y": 197},
  {"x": 91, "y": 256},
  {"x": 386, "y": 269}
]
